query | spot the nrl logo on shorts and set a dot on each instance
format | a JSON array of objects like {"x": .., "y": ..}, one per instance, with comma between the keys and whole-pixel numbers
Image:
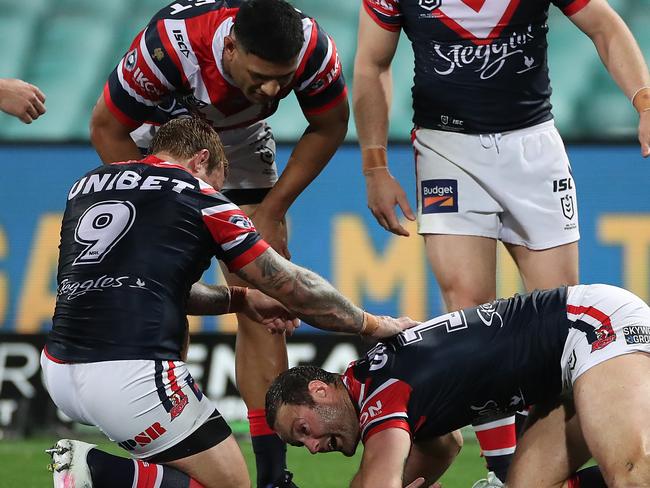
[
  {"x": 568, "y": 208},
  {"x": 429, "y": 4}
]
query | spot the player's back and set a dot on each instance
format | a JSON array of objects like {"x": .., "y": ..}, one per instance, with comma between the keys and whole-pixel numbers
[
  {"x": 132, "y": 243},
  {"x": 478, "y": 362}
]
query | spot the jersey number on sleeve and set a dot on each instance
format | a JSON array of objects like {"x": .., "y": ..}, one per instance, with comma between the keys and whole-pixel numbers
[{"x": 101, "y": 227}]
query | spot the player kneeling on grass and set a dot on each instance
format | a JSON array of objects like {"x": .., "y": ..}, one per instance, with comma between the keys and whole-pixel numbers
[
  {"x": 135, "y": 238},
  {"x": 579, "y": 355}
]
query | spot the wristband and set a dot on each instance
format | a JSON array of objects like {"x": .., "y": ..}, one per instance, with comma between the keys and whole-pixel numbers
[
  {"x": 237, "y": 298},
  {"x": 370, "y": 324},
  {"x": 373, "y": 158},
  {"x": 641, "y": 99}
]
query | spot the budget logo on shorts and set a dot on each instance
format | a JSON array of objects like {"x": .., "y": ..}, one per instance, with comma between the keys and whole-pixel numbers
[{"x": 439, "y": 196}]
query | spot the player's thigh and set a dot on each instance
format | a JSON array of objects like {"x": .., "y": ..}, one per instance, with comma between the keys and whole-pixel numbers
[
  {"x": 547, "y": 268},
  {"x": 221, "y": 466},
  {"x": 465, "y": 268},
  {"x": 550, "y": 449},
  {"x": 613, "y": 400},
  {"x": 431, "y": 458}
]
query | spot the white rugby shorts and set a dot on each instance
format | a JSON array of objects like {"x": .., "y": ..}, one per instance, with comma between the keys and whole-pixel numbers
[
  {"x": 607, "y": 322},
  {"x": 250, "y": 152},
  {"x": 144, "y": 406},
  {"x": 515, "y": 186}
]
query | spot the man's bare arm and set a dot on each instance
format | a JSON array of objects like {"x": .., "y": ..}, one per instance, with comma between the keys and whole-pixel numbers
[
  {"x": 311, "y": 154},
  {"x": 314, "y": 300},
  {"x": 111, "y": 139},
  {"x": 384, "y": 456},
  {"x": 311, "y": 297},
  {"x": 208, "y": 300},
  {"x": 371, "y": 96},
  {"x": 621, "y": 56}
]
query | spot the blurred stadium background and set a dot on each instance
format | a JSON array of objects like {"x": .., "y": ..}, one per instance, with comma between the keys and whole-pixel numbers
[{"x": 68, "y": 48}]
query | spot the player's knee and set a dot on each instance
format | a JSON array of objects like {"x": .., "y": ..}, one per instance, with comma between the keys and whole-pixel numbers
[
  {"x": 631, "y": 472},
  {"x": 459, "y": 295},
  {"x": 449, "y": 445},
  {"x": 230, "y": 480}
]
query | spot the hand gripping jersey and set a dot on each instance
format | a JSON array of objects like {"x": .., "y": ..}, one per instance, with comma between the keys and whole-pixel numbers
[
  {"x": 135, "y": 237},
  {"x": 174, "y": 66},
  {"x": 480, "y": 65},
  {"x": 479, "y": 362}
]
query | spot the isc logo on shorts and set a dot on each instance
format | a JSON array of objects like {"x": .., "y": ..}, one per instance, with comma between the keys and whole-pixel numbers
[{"x": 439, "y": 196}]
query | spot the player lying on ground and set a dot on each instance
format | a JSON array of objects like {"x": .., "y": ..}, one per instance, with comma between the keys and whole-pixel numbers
[
  {"x": 579, "y": 355},
  {"x": 135, "y": 238}
]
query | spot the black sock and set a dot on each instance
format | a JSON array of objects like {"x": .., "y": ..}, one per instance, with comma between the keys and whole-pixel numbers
[
  {"x": 590, "y": 477},
  {"x": 270, "y": 458},
  {"x": 520, "y": 422},
  {"x": 499, "y": 465},
  {"x": 109, "y": 471}
]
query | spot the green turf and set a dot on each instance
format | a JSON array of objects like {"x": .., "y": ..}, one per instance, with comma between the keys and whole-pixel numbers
[{"x": 23, "y": 465}]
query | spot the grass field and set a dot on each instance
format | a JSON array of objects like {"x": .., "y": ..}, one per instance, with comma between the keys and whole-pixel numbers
[{"x": 23, "y": 465}]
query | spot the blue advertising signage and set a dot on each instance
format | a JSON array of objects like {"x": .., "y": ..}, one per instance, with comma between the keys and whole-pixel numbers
[{"x": 331, "y": 232}]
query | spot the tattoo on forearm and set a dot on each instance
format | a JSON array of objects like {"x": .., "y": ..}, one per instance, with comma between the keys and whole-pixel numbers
[{"x": 307, "y": 294}]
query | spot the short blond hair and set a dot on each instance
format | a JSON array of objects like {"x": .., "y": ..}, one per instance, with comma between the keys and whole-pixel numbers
[{"x": 185, "y": 136}]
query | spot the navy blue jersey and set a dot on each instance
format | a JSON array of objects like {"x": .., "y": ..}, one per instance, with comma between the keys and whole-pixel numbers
[
  {"x": 480, "y": 65},
  {"x": 477, "y": 363},
  {"x": 135, "y": 237},
  {"x": 175, "y": 66}
]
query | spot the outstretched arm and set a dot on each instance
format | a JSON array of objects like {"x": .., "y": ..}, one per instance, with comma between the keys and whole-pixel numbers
[
  {"x": 217, "y": 300},
  {"x": 621, "y": 56},
  {"x": 315, "y": 300},
  {"x": 21, "y": 100}
]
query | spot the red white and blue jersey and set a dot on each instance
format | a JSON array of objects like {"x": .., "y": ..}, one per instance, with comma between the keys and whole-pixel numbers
[
  {"x": 454, "y": 369},
  {"x": 175, "y": 66},
  {"x": 480, "y": 65},
  {"x": 135, "y": 237}
]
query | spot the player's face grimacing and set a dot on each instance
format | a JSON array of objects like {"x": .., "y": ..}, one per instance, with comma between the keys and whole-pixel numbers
[
  {"x": 259, "y": 80},
  {"x": 326, "y": 427}
]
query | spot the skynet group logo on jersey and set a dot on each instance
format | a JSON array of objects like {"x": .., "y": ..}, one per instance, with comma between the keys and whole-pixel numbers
[{"x": 439, "y": 196}]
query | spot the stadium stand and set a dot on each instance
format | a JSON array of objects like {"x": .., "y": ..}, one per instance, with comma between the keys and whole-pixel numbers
[{"x": 68, "y": 47}]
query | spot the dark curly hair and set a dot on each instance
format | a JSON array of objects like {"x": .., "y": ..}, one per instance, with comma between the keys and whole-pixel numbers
[
  {"x": 269, "y": 29},
  {"x": 292, "y": 388}
]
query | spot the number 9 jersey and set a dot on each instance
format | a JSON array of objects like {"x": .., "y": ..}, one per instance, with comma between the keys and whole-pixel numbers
[{"x": 135, "y": 237}]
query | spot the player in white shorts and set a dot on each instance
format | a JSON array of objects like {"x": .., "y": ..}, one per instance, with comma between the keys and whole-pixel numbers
[
  {"x": 135, "y": 238},
  {"x": 513, "y": 186}
]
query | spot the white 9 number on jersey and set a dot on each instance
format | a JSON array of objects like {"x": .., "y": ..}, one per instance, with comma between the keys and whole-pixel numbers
[{"x": 101, "y": 227}]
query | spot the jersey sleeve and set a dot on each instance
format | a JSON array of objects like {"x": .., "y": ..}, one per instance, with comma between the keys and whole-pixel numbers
[
  {"x": 238, "y": 243},
  {"x": 144, "y": 77},
  {"x": 570, "y": 7},
  {"x": 385, "y": 408},
  {"x": 387, "y": 14},
  {"x": 321, "y": 84}
]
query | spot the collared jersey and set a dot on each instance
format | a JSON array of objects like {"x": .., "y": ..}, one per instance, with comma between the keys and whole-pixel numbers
[
  {"x": 480, "y": 65},
  {"x": 449, "y": 371},
  {"x": 135, "y": 237},
  {"x": 175, "y": 66}
]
